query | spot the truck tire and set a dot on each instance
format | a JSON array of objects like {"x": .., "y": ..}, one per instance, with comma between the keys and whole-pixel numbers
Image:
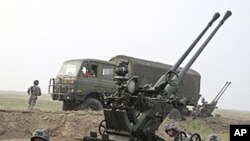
[
  {"x": 93, "y": 104},
  {"x": 66, "y": 106},
  {"x": 54, "y": 97},
  {"x": 69, "y": 106}
]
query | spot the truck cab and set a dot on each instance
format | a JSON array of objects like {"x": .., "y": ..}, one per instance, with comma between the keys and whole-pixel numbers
[{"x": 80, "y": 83}]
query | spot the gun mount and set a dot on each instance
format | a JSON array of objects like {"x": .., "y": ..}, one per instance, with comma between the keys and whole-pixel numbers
[
  {"x": 133, "y": 113},
  {"x": 206, "y": 109}
]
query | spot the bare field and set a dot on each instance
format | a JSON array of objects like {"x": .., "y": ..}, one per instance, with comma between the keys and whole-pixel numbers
[
  {"x": 19, "y": 101},
  {"x": 233, "y": 114},
  {"x": 17, "y": 123}
]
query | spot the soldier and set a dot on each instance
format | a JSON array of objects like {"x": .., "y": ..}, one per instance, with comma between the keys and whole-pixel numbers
[
  {"x": 195, "y": 112},
  {"x": 204, "y": 103},
  {"x": 171, "y": 131},
  {"x": 212, "y": 137},
  {"x": 33, "y": 91},
  {"x": 40, "y": 135}
]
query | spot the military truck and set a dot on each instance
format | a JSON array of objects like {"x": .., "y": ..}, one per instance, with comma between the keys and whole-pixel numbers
[
  {"x": 80, "y": 83},
  {"x": 149, "y": 72}
]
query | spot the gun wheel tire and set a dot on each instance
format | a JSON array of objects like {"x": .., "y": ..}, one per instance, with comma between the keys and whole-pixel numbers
[
  {"x": 180, "y": 136},
  {"x": 195, "y": 137},
  {"x": 93, "y": 104},
  {"x": 102, "y": 128}
]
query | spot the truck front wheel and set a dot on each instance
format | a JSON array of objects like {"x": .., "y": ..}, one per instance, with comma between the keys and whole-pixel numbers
[
  {"x": 69, "y": 106},
  {"x": 66, "y": 106},
  {"x": 91, "y": 103}
]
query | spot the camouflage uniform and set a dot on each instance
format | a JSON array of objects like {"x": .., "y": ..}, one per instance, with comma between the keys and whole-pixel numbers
[
  {"x": 161, "y": 133},
  {"x": 33, "y": 91},
  {"x": 172, "y": 127},
  {"x": 41, "y": 134},
  {"x": 212, "y": 137}
]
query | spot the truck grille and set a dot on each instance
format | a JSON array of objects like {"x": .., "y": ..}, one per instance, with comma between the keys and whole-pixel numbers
[{"x": 60, "y": 89}]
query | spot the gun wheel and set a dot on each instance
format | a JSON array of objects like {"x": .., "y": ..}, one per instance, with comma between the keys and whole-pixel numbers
[
  {"x": 195, "y": 137},
  {"x": 102, "y": 127},
  {"x": 180, "y": 136}
]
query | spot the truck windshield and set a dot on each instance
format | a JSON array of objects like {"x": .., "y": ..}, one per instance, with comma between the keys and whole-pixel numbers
[{"x": 70, "y": 68}]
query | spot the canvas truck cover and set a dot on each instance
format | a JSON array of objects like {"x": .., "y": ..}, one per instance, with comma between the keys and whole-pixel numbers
[{"x": 149, "y": 72}]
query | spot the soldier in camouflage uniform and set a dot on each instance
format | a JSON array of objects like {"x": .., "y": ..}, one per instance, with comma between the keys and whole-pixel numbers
[
  {"x": 171, "y": 131},
  {"x": 40, "y": 135},
  {"x": 212, "y": 137},
  {"x": 33, "y": 91}
]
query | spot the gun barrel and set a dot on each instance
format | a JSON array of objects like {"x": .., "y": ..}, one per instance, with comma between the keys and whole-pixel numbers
[
  {"x": 170, "y": 89},
  {"x": 222, "y": 92},
  {"x": 215, "y": 17},
  {"x": 175, "y": 67},
  {"x": 189, "y": 64}
]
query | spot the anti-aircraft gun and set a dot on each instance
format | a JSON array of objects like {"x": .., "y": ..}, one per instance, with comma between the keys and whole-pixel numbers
[
  {"x": 135, "y": 114},
  {"x": 206, "y": 109}
]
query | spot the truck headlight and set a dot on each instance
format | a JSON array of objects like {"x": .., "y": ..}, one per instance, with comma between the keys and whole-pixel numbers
[{"x": 71, "y": 90}]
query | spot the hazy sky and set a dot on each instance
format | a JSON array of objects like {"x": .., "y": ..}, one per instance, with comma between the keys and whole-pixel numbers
[{"x": 37, "y": 36}]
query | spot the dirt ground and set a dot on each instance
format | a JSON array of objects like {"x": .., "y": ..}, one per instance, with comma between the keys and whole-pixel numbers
[
  {"x": 70, "y": 126},
  {"x": 65, "y": 126}
]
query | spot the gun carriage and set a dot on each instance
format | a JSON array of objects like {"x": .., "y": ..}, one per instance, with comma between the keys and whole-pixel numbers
[
  {"x": 206, "y": 109},
  {"x": 134, "y": 113}
]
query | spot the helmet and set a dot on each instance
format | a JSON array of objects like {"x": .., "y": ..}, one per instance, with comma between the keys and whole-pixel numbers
[
  {"x": 171, "y": 126},
  {"x": 40, "y": 133},
  {"x": 212, "y": 137},
  {"x": 203, "y": 99},
  {"x": 36, "y": 82}
]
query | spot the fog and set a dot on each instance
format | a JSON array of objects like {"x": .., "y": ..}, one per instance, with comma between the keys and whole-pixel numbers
[{"x": 37, "y": 36}]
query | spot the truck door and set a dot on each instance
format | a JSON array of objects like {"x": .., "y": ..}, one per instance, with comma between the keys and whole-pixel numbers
[
  {"x": 107, "y": 78},
  {"x": 88, "y": 79}
]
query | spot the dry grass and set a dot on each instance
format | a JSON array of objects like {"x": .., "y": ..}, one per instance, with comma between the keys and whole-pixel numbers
[{"x": 19, "y": 100}]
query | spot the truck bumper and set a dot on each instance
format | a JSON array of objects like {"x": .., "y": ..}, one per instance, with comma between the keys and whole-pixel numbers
[{"x": 63, "y": 96}]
